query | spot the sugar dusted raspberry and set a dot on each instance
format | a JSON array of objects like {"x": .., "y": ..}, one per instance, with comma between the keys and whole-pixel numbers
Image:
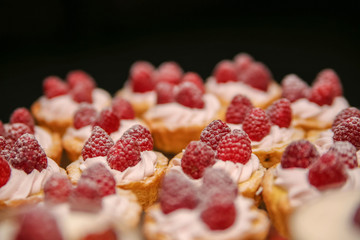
[
  {"x": 109, "y": 234},
  {"x": 29, "y": 154},
  {"x": 189, "y": 95},
  {"x": 82, "y": 93},
  {"x": 356, "y": 218},
  {"x": 177, "y": 192},
  {"x": 169, "y": 72},
  {"x": 196, "y": 158},
  {"x": 194, "y": 78},
  {"x": 122, "y": 108},
  {"x": 242, "y": 62},
  {"x": 280, "y": 113},
  {"x": 16, "y": 130},
  {"x": 53, "y": 87},
  {"x": 102, "y": 177},
  {"x": 344, "y": 114},
  {"x": 5, "y": 171},
  {"x": 142, "y": 136},
  {"x": 38, "y": 223},
  {"x": 108, "y": 121},
  {"x": 348, "y": 130},
  {"x": 299, "y": 154},
  {"x": 3, "y": 144},
  {"x": 322, "y": 93},
  {"x": 164, "y": 92},
  {"x": 256, "y": 124},
  {"x": 97, "y": 145},
  {"x": 85, "y": 196},
  {"x": 346, "y": 152},
  {"x": 294, "y": 88},
  {"x": 235, "y": 147},
  {"x": 225, "y": 71},
  {"x": 141, "y": 77},
  {"x": 57, "y": 189},
  {"x": 2, "y": 129},
  {"x": 141, "y": 65},
  {"x": 84, "y": 116},
  {"x": 257, "y": 75},
  {"x": 239, "y": 107},
  {"x": 327, "y": 172},
  {"x": 330, "y": 76},
  {"x": 125, "y": 153},
  {"x": 214, "y": 132},
  {"x": 22, "y": 115},
  {"x": 79, "y": 77},
  {"x": 217, "y": 181}
]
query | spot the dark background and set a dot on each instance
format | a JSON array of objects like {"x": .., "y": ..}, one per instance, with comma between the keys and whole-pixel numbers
[{"x": 41, "y": 38}]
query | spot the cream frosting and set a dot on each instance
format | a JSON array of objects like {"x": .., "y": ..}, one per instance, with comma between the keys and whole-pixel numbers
[{"x": 135, "y": 97}]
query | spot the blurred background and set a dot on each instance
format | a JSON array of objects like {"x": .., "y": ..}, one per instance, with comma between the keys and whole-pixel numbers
[{"x": 42, "y": 37}]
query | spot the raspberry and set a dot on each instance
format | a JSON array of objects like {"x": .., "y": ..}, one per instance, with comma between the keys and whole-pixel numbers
[
  {"x": 22, "y": 115},
  {"x": 177, "y": 192},
  {"x": 256, "y": 124},
  {"x": 214, "y": 132},
  {"x": 239, "y": 107},
  {"x": 280, "y": 113},
  {"x": 348, "y": 130},
  {"x": 294, "y": 88},
  {"x": 329, "y": 75},
  {"x": 29, "y": 154},
  {"x": 164, "y": 92},
  {"x": 37, "y": 223},
  {"x": 53, "y": 87},
  {"x": 189, "y": 95},
  {"x": 109, "y": 234},
  {"x": 322, "y": 93},
  {"x": 346, "y": 152},
  {"x": 225, "y": 71},
  {"x": 235, "y": 147},
  {"x": 5, "y": 171},
  {"x": 299, "y": 154},
  {"x": 3, "y": 143},
  {"x": 327, "y": 172},
  {"x": 108, "y": 121},
  {"x": 356, "y": 218},
  {"x": 242, "y": 62},
  {"x": 196, "y": 158},
  {"x": 97, "y": 145},
  {"x": 102, "y": 177},
  {"x": 79, "y": 77},
  {"x": 2, "y": 129},
  {"x": 169, "y": 72},
  {"x": 86, "y": 196},
  {"x": 194, "y": 78},
  {"x": 141, "y": 77},
  {"x": 217, "y": 181},
  {"x": 344, "y": 114},
  {"x": 84, "y": 116},
  {"x": 16, "y": 130},
  {"x": 57, "y": 189},
  {"x": 82, "y": 93},
  {"x": 122, "y": 108},
  {"x": 125, "y": 153},
  {"x": 257, "y": 75},
  {"x": 142, "y": 136}
]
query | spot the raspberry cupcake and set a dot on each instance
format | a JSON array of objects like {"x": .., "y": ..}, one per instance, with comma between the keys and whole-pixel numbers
[
  {"x": 115, "y": 121},
  {"x": 243, "y": 75},
  {"x": 211, "y": 210},
  {"x": 131, "y": 160},
  {"x": 315, "y": 107},
  {"x": 55, "y": 110},
  {"x": 303, "y": 176}
]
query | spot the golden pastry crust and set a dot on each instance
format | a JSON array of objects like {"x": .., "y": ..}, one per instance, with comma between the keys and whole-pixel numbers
[
  {"x": 313, "y": 135},
  {"x": 73, "y": 147},
  {"x": 55, "y": 151},
  {"x": 310, "y": 124},
  {"x": 9, "y": 204}
]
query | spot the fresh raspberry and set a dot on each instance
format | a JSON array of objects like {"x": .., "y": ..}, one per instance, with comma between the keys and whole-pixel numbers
[
  {"x": 214, "y": 132},
  {"x": 142, "y": 136},
  {"x": 108, "y": 121},
  {"x": 322, "y": 93},
  {"x": 102, "y": 177},
  {"x": 38, "y": 223},
  {"x": 329, "y": 75},
  {"x": 122, "y": 108},
  {"x": 217, "y": 181},
  {"x": 53, "y": 87},
  {"x": 196, "y": 158},
  {"x": 16, "y": 130},
  {"x": 257, "y": 75},
  {"x": 299, "y": 154},
  {"x": 125, "y": 153},
  {"x": 84, "y": 116},
  {"x": 169, "y": 72},
  {"x": 29, "y": 154},
  {"x": 225, "y": 71},
  {"x": 3, "y": 143},
  {"x": 141, "y": 77},
  {"x": 79, "y": 77},
  {"x": 194, "y": 78},
  {"x": 5, "y": 171},
  {"x": 239, "y": 107},
  {"x": 177, "y": 192},
  {"x": 256, "y": 124},
  {"x": 356, "y": 218},
  {"x": 22, "y": 115},
  {"x": 242, "y": 62},
  {"x": 280, "y": 113},
  {"x": 344, "y": 114},
  {"x": 57, "y": 189},
  {"x": 82, "y": 93},
  {"x": 348, "y": 130},
  {"x": 164, "y": 92},
  {"x": 189, "y": 95},
  {"x": 2, "y": 129},
  {"x": 235, "y": 147},
  {"x": 327, "y": 172},
  {"x": 86, "y": 196},
  {"x": 109, "y": 234},
  {"x": 98, "y": 144},
  {"x": 294, "y": 88},
  {"x": 346, "y": 152}
]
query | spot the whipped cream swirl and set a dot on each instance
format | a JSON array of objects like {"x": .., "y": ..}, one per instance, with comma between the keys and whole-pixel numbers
[{"x": 136, "y": 97}]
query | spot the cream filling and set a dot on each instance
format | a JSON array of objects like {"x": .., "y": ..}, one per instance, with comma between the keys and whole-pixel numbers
[
  {"x": 44, "y": 138},
  {"x": 134, "y": 97}
]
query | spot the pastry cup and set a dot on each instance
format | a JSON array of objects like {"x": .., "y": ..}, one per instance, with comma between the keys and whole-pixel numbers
[
  {"x": 55, "y": 150},
  {"x": 73, "y": 147},
  {"x": 311, "y": 124}
]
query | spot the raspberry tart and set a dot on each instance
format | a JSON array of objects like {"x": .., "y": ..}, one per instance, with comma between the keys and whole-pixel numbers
[{"x": 61, "y": 99}]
